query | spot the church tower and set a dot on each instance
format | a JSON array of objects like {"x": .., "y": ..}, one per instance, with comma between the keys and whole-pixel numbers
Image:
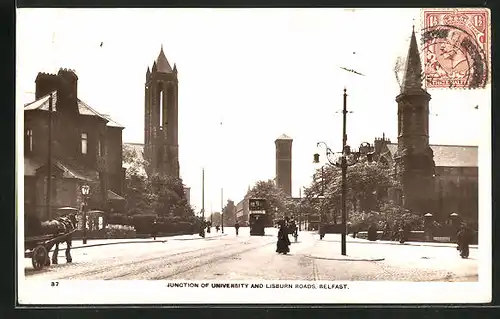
[
  {"x": 414, "y": 157},
  {"x": 284, "y": 163},
  {"x": 161, "y": 148}
]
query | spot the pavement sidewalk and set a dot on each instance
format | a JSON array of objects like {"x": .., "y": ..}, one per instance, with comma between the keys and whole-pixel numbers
[
  {"x": 328, "y": 238},
  {"x": 77, "y": 244},
  {"x": 323, "y": 250}
]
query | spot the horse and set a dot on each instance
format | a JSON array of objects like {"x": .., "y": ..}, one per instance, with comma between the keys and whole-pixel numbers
[{"x": 64, "y": 224}]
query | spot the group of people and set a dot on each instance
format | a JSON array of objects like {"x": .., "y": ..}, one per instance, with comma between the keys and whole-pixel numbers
[
  {"x": 399, "y": 231},
  {"x": 286, "y": 227}
]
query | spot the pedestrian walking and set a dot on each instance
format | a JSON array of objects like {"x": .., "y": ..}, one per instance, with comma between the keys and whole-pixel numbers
[
  {"x": 217, "y": 228},
  {"x": 237, "y": 228},
  {"x": 464, "y": 238},
  {"x": 283, "y": 243},
  {"x": 154, "y": 229},
  {"x": 372, "y": 232}
]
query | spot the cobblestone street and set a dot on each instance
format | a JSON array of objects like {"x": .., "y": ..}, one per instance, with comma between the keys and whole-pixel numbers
[{"x": 231, "y": 257}]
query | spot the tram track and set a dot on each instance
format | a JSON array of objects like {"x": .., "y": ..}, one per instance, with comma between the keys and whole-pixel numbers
[
  {"x": 121, "y": 270},
  {"x": 206, "y": 261}
]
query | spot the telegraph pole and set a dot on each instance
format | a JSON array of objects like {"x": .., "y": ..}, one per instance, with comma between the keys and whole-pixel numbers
[
  {"x": 203, "y": 193},
  {"x": 344, "y": 177},
  {"x": 300, "y": 208},
  {"x": 49, "y": 162},
  {"x": 222, "y": 209}
]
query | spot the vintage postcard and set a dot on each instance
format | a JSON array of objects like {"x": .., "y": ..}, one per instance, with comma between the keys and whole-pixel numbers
[{"x": 205, "y": 156}]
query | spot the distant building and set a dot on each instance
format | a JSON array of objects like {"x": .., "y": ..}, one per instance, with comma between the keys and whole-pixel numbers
[
  {"x": 161, "y": 147},
  {"x": 284, "y": 163},
  {"x": 86, "y": 148},
  {"x": 242, "y": 212}
]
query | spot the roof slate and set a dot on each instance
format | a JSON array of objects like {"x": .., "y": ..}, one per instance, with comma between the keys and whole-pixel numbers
[
  {"x": 68, "y": 171},
  {"x": 449, "y": 155},
  {"x": 42, "y": 104}
]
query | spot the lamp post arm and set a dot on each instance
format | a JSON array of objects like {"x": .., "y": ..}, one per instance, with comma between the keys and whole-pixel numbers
[{"x": 329, "y": 153}]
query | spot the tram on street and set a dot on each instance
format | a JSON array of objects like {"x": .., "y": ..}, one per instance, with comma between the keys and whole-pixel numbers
[{"x": 257, "y": 217}]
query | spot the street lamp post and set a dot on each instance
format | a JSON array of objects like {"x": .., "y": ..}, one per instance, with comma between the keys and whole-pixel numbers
[
  {"x": 346, "y": 153},
  {"x": 85, "y": 192}
]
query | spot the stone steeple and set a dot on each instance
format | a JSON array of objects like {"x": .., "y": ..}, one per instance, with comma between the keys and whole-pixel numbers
[
  {"x": 414, "y": 159},
  {"x": 412, "y": 80},
  {"x": 162, "y": 63}
]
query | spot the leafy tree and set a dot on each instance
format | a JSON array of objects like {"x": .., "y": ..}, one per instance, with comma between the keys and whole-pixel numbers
[
  {"x": 366, "y": 189},
  {"x": 229, "y": 213},
  {"x": 168, "y": 196},
  {"x": 156, "y": 194}
]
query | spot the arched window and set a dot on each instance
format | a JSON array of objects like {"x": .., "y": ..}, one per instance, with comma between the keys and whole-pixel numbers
[
  {"x": 28, "y": 142},
  {"x": 161, "y": 101},
  {"x": 84, "y": 143},
  {"x": 99, "y": 147}
]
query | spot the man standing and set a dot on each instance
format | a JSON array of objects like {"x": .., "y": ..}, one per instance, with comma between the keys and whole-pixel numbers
[
  {"x": 237, "y": 228},
  {"x": 154, "y": 229},
  {"x": 463, "y": 240}
]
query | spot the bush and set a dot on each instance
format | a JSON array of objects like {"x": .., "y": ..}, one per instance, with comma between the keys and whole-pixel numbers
[
  {"x": 119, "y": 219},
  {"x": 109, "y": 233}
]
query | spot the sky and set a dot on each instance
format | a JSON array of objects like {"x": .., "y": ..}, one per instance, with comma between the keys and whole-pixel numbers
[{"x": 259, "y": 72}]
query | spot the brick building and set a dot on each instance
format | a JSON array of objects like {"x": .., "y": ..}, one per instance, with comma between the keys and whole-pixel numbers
[
  {"x": 242, "y": 212},
  {"x": 284, "y": 163},
  {"x": 85, "y": 148}
]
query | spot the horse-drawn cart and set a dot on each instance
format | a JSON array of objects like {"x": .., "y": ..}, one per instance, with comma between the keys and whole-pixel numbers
[{"x": 38, "y": 247}]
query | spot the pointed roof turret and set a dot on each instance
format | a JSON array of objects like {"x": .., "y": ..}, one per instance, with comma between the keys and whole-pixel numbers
[
  {"x": 175, "y": 68},
  {"x": 148, "y": 73},
  {"x": 412, "y": 80},
  {"x": 284, "y": 137},
  {"x": 154, "y": 68},
  {"x": 162, "y": 62}
]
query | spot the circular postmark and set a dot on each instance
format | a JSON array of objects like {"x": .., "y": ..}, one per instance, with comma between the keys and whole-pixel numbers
[{"x": 453, "y": 58}]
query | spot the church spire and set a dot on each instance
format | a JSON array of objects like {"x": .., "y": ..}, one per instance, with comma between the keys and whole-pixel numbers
[
  {"x": 413, "y": 69},
  {"x": 162, "y": 62}
]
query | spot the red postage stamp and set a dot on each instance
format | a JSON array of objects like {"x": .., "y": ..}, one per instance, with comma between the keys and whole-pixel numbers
[{"x": 456, "y": 48}]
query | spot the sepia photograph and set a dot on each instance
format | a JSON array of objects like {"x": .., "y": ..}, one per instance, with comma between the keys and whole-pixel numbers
[{"x": 260, "y": 156}]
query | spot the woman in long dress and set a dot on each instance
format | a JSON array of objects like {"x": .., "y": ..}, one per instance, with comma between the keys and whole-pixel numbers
[{"x": 282, "y": 246}]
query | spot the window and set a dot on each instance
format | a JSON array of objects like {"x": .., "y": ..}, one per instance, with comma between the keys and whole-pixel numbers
[
  {"x": 161, "y": 108},
  {"x": 99, "y": 148},
  {"x": 84, "y": 143},
  {"x": 29, "y": 140}
]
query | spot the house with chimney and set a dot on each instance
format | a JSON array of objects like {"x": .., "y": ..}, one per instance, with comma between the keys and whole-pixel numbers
[{"x": 68, "y": 144}]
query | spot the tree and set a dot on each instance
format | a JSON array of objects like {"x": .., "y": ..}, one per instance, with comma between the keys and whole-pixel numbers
[
  {"x": 366, "y": 186},
  {"x": 229, "y": 213},
  {"x": 136, "y": 190},
  {"x": 168, "y": 196},
  {"x": 276, "y": 199},
  {"x": 155, "y": 194}
]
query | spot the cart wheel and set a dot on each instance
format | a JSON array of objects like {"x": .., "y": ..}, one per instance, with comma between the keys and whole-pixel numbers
[{"x": 39, "y": 257}]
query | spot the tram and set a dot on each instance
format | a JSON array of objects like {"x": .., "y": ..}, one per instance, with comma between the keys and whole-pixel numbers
[{"x": 257, "y": 217}]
